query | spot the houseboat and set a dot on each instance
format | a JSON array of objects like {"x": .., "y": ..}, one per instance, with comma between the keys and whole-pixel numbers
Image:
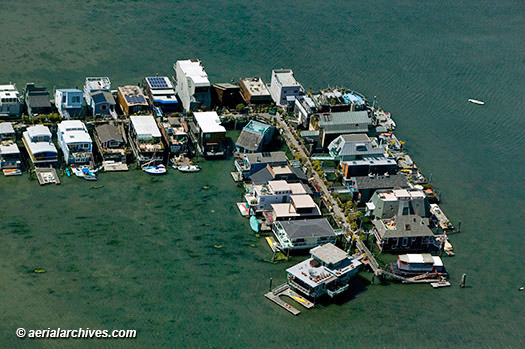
[
  {"x": 177, "y": 137},
  {"x": 9, "y": 152},
  {"x": 39, "y": 145},
  {"x": 326, "y": 273},
  {"x": 208, "y": 133},
  {"x": 36, "y": 99},
  {"x": 98, "y": 96},
  {"x": 69, "y": 103},
  {"x": 131, "y": 99},
  {"x": 146, "y": 140},
  {"x": 410, "y": 265},
  {"x": 161, "y": 94},
  {"x": 10, "y": 106},
  {"x": 301, "y": 234},
  {"x": 110, "y": 143},
  {"x": 75, "y": 142}
]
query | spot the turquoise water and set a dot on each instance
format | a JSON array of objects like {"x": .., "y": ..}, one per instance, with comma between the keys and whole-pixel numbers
[{"x": 139, "y": 253}]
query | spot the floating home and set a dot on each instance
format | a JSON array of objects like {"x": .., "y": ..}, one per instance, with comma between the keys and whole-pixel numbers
[
  {"x": 177, "y": 136},
  {"x": 146, "y": 139},
  {"x": 261, "y": 197},
  {"x": 363, "y": 187},
  {"x": 334, "y": 124},
  {"x": 97, "y": 93},
  {"x": 10, "y": 106},
  {"x": 193, "y": 86},
  {"x": 404, "y": 233},
  {"x": 39, "y": 145},
  {"x": 252, "y": 163},
  {"x": 69, "y": 103},
  {"x": 254, "y": 91},
  {"x": 254, "y": 137},
  {"x": 110, "y": 143},
  {"x": 326, "y": 273},
  {"x": 75, "y": 142},
  {"x": 208, "y": 133},
  {"x": 227, "y": 95},
  {"x": 161, "y": 94},
  {"x": 275, "y": 173},
  {"x": 132, "y": 100},
  {"x": 284, "y": 89},
  {"x": 9, "y": 153},
  {"x": 36, "y": 99},
  {"x": 303, "y": 234}
]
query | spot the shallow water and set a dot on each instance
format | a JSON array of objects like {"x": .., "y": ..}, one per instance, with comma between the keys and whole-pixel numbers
[{"x": 139, "y": 253}]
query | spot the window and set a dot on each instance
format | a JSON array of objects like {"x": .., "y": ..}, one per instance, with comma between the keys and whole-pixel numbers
[{"x": 405, "y": 242}]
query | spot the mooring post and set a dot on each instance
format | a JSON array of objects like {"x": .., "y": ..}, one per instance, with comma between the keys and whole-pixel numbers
[
  {"x": 459, "y": 227},
  {"x": 271, "y": 283},
  {"x": 463, "y": 280}
]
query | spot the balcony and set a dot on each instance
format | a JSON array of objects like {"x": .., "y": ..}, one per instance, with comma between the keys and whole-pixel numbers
[{"x": 333, "y": 293}]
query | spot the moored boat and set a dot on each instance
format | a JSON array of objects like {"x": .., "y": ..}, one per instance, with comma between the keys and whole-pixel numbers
[
  {"x": 189, "y": 168},
  {"x": 476, "y": 101},
  {"x": 155, "y": 170},
  {"x": 409, "y": 265},
  {"x": 254, "y": 224}
]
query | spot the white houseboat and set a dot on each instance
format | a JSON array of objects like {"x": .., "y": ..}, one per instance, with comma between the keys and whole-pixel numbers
[
  {"x": 39, "y": 145},
  {"x": 75, "y": 142},
  {"x": 409, "y": 265}
]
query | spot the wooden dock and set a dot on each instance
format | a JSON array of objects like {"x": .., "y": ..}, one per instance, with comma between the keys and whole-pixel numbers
[
  {"x": 111, "y": 166},
  {"x": 284, "y": 290},
  {"x": 47, "y": 176},
  {"x": 236, "y": 177}
]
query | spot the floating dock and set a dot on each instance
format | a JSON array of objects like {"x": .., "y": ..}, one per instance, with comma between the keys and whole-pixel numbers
[
  {"x": 440, "y": 284},
  {"x": 47, "y": 176},
  {"x": 236, "y": 177},
  {"x": 443, "y": 221},
  {"x": 284, "y": 290},
  {"x": 112, "y": 166}
]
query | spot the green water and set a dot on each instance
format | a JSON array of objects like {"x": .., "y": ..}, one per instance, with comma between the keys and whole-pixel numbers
[{"x": 138, "y": 253}]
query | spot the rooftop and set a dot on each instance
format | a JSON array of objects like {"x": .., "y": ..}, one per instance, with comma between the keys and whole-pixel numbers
[
  {"x": 194, "y": 70},
  {"x": 9, "y": 148},
  {"x": 74, "y": 131},
  {"x": 302, "y": 201},
  {"x": 256, "y": 86},
  {"x": 98, "y": 83},
  {"x": 133, "y": 95},
  {"x": 257, "y": 127},
  {"x": 249, "y": 140},
  {"x": 423, "y": 258},
  {"x": 38, "y": 130},
  {"x": 102, "y": 97},
  {"x": 329, "y": 253},
  {"x": 403, "y": 226},
  {"x": 145, "y": 125},
  {"x": 304, "y": 228},
  {"x": 266, "y": 157},
  {"x": 9, "y": 87},
  {"x": 159, "y": 83},
  {"x": 381, "y": 182},
  {"x": 209, "y": 122},
  {"x": 344, "y": 118},
  {"x": 285, "y": 77},
  {"x": 6, "y": 128},
  {"x": 396, "y": 194},
  {"x": 108, "y": 132}
]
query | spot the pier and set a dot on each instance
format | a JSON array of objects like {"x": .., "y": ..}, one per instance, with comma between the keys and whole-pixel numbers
[{"x": 285, "y": 290}]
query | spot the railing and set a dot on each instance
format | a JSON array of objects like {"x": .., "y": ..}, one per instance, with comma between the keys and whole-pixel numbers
[{"x": 333, "y": 293}]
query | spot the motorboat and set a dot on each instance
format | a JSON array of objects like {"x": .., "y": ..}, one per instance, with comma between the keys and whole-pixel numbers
[
  {"x": 84, "y": 172},
  {"x": 155, "y": 170},
  {"x": 476, "y": 101},
  {"x": 189, "y": 168}
]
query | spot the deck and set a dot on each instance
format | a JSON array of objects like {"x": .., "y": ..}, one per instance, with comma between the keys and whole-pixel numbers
[
  {"x": 47, "y": 176},
  {"x": 285, "y": 290}
]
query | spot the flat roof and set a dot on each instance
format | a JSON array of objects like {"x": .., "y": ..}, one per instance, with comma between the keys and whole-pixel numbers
[
  {"x": 416, "y": 258},
  {"x": 329, "y": 253},
  {"x": 159, "y": 83},
  {"x": 145, "y": 125},
  {"x": 6, "y": 128},
  {"x": 255, "y": 86},
  {"x": 285, "y": 77},
  {"x": 133, "y": 95},
  {"x": 10, "y": 88},
  {"x": 256, "y": 127},
  {"x": 9, "y": 148},
  {"x": 74, "y": 131},
  {"x": 303, "y": 228},
  {"x": 38, "y": 130},
  {"x": 302, "y": 201},
  {"x": 209, "y": 122},
  {"x": 279, "y": 185},
  {"x": 194, "y": 70},
  {"x": 98, "y": 83}
]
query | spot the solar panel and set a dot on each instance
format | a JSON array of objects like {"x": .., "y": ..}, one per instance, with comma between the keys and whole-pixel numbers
[
  {"x": 158, "y": 82},
  {"x": 135, "y": 99}
]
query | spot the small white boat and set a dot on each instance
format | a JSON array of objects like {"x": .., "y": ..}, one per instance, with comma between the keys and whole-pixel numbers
[
  {"x": 155, "y": 170},
  {"x": 84, "y": 172},
  {"x": 189, "y": 168},
  {"x": 475, "y": 101}
]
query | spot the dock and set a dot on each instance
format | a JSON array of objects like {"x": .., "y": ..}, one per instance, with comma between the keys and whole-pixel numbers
[
  {"x": 112, "y": 166},
  {"x": 47, "y": 176},
  {"x": 237, "y": 177},
  {"x": 271, "y": 242},
  {"x": 443, "y": 221},
  {"x": 285, "y": 290}
]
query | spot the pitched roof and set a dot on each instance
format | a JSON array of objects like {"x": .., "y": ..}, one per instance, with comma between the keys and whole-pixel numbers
[
  {"x": 267, "y": 157},
  {"x": 249, "y": 140},
  {"x": 39, "y": 101},
  {"x": 108, "y": 132},
  {"x": 381, "y": 182},
  {"x": 307, "y": 228},
  {"x": 403, "y": 226},
  {"x": 264, "y": 175},
  {"x": 103, "y": 97},
  {"x": 340, "y": 122}
]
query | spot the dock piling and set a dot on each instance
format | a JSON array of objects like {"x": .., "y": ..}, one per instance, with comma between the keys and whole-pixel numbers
[
  {"x": 271, "y": 280},
  {"x": 463, "y": 281}
]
